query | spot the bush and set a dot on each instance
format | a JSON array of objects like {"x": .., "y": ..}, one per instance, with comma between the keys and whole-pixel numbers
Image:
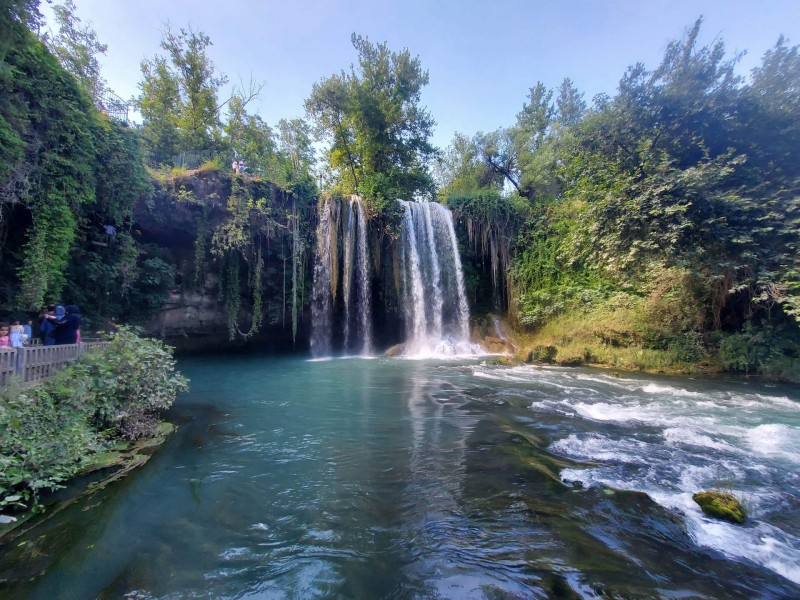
[
  {"x": 133, "y": 381},
  {"x": 766, "y": 350},
  {"x": 49, "y": 432}
]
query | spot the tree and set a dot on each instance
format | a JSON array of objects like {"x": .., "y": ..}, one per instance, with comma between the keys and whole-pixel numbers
[
  {"x": 250, "y": 138},
  {"x": 78, "y": 49},
  {"x": 513, "y": 152},
  {"x": 462, "y": 170},
  {"x": 195, "y": 113},
  {"x": 378, "y": 131},
  {"x": 160, "y": 105},
  {"x": 570, "y": 106}
]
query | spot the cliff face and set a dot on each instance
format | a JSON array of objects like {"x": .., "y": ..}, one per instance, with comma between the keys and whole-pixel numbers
[{"x": 186, "y": 222}]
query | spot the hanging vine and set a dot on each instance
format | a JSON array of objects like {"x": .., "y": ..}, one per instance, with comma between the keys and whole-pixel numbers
[{"x": 243, "y": 240}]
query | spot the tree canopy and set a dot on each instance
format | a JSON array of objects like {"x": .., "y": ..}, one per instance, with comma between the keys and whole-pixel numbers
[{"x": 378, "y": 131}]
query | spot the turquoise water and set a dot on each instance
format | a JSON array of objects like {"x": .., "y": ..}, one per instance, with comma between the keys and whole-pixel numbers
[{"x": 391, "y": 478}]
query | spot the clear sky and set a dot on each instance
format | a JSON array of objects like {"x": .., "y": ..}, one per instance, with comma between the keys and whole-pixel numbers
[{"x": 483, "y": 56}]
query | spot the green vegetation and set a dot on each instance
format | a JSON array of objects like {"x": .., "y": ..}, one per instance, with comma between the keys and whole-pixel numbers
[
  {"x": 665, "y": 216},
  {"x": 66, "y": 170},
  {"x": 378, "y": 131},
  {"x": 51, "y": 431},
  {"x": 721, "y": 505},
  {"x": 655, "y": 229}
]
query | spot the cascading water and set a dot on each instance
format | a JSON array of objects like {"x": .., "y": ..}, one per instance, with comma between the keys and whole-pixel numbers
[
  {"x": 432, "y": 283},
  {"x": 356, "y": 315},
  {"x": 322, "y": 298}
]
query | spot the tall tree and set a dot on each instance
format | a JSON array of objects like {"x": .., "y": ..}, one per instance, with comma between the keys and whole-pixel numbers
[
  {"x": 160, "y": 105},
  {"x": 78, "y": 49},
  {"x": 379, "y": 132},
  {"x": 250, "y": 138},
  {"x": 570, "y": 105},
  {"x": 189, "y": 68}
]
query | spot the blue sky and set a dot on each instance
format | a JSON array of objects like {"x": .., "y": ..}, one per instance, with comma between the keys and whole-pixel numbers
[{"x": 482, "y": 56}]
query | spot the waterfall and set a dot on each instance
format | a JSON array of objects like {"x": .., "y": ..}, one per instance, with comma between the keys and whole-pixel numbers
[
  {"x": 434, "y": 301},
  {"x": 364, "y": 289},
  {"x": 322, "y": 297},
  {"x": 347, "y": 282},
  {"x": 354, "y": 274}
]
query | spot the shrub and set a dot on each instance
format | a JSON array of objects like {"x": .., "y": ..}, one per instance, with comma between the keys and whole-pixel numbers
[
  {"x": 132, "y": 382},
  {"x": 766, "y": 350},
  {"x": 48, "y": 432}
]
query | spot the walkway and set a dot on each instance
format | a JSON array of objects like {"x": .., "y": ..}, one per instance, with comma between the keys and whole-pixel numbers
[{"x": 35, "y": 363}]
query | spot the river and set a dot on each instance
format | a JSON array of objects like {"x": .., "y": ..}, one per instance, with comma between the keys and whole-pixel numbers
[{"x": 396, "y": 478}]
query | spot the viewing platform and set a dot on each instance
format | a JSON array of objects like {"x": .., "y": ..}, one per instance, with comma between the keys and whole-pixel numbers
[{"x": 30, "y": 364}]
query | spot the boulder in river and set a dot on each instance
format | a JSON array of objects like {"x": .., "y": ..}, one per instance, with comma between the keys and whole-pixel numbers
[{"x": 721, "y": 505}]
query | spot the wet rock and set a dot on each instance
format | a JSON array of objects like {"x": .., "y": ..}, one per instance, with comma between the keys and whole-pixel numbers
[
  {"x": 509, "y": 360},
  {"x": 396, "y": 350},
  {"x": 721, "y": 505}
]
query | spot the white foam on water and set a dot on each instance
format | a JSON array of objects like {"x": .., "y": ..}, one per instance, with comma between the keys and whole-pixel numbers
[
  {"x": 652, "y": 388},
  {"x": 447, "y": 347},
  {"x": 689, "y": 436},
  {"x": 776, "y": 440},
  {"x": 762, "y": 543},
  {"x": 600, "y": 448},
  {"x": 712, "y": 437},
  {"x": 621, "y": 413}
]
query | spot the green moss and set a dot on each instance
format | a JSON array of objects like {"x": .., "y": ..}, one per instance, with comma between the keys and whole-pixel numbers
[
  {"x": 721, "y": 505},
  {"x": 508, "y": 361}
]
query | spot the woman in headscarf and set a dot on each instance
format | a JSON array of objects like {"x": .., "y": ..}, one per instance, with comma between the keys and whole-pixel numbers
[
  {"x": 47, "y": 328},
  {"x": 67, "y": 329}
]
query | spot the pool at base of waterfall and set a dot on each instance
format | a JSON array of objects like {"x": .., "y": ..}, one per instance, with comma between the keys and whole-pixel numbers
[{"x": 394, "y": 478}]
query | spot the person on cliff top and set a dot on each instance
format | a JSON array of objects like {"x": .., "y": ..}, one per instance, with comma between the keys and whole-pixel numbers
[
  {"x": 235, "y": 166},
  {"x": 68, "y": 329}
]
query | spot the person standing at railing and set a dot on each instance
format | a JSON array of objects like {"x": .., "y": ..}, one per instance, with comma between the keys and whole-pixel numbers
[
  {"x": 67, "y": 329},
  {"x": 27, "y": 330},
  {"x": 15, "y": 335},
  {"x": 5, "y": 340},
  {"x": 48, "y": 324}
]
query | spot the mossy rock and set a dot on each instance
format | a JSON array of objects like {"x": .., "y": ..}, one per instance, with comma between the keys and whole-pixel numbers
[
  {"x": 721, "y": 505},
  {"x": 509, "y": 360}
]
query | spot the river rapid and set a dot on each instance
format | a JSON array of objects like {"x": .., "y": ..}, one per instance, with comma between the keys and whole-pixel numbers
[{"x": 397, "y": 478}]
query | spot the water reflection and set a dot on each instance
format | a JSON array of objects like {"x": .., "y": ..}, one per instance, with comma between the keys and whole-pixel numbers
[{"x": 412, "y": 479}]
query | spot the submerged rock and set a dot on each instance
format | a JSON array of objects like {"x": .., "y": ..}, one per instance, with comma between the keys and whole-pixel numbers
[
  {"x": 396, "y": 350},
  {"x": 721, "y": 505}
]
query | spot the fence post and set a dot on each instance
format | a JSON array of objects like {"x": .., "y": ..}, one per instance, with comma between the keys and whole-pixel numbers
[{"x": 22, "y": 357}]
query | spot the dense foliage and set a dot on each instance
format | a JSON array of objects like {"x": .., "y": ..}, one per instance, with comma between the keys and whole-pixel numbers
[
  {"x": 51, "y": 431},
  {"x": 378, "y": 131},
  {"x": 682, "y": 188}
]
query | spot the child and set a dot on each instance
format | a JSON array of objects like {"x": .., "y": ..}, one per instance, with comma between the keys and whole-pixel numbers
[
  {"x": 15, "y": 335},
  {"x": 5, "y": 341}
]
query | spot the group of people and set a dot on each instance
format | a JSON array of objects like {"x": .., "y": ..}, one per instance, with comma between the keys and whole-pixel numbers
[
  {"x": 58, "y": 325},
  {"x": 15, "y": 335},
  {"x": 238, "y": 167}
]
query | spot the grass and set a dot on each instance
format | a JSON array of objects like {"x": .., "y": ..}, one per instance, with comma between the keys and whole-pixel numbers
[{"x": 618, "y": 333}]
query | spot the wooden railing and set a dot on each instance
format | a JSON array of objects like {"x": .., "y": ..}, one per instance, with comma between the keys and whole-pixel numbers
[{"x": 35, "y": 363}]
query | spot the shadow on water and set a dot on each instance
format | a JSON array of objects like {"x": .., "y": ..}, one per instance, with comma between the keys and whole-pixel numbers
[{"x": 377, "y": 479}]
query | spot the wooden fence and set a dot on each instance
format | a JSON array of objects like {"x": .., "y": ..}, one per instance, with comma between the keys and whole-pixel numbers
[{"x": 35, "y": 363}]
